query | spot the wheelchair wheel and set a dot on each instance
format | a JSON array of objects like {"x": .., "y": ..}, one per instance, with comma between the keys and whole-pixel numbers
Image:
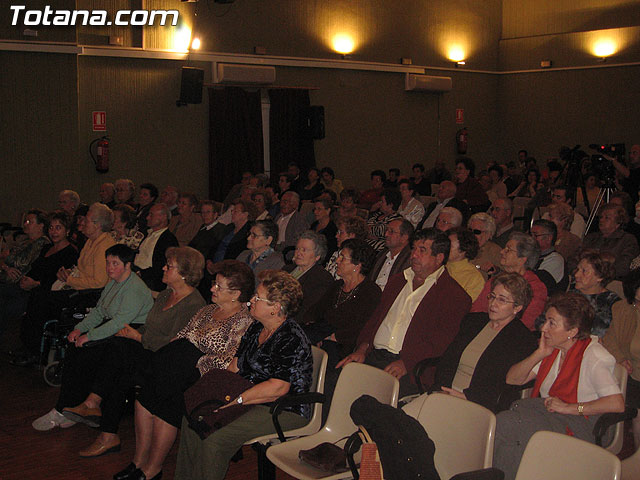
[{"x": 53, "y": 374}]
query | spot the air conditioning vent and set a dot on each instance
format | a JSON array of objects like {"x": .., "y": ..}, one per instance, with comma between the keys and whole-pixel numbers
[
  {"x": 427, "y": 83},
  {"x": 244, "y": 74}
]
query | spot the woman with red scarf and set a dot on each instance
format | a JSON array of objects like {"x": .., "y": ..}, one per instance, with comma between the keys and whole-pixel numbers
[{"x": 574, "y": 383}]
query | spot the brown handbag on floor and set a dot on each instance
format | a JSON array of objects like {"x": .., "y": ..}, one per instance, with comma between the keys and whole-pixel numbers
[{"x": 204, "y": 398}]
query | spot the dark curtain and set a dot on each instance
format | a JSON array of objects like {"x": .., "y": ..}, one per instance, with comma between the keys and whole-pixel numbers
[
  {"x": 290, "y": 138},
  {"x": 235, "y": 138}
]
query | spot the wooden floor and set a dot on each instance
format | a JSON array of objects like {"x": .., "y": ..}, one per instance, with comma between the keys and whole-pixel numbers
[{"x": 28, "y": 454}]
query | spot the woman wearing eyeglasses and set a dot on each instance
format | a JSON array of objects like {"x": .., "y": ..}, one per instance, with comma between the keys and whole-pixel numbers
[
  {"x": 260, "y": 254},
  {"x": 475, "y": 364},
  {"x": 275, "y": 355},
  {"x": 209, "y": 340}
]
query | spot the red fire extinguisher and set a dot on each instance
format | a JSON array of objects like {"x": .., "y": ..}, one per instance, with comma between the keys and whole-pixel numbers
[
  {"x": 462, "y": 137},
  {"x": 101, "y": 158}
]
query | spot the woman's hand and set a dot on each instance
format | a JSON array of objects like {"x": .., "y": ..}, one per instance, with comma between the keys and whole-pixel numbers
[
  {"x": 63, "y": 274},
  {"x": 627, "y": 365},
  {"x": 28, "y": 283},
  {"x": 454, "y": 393},
  {"x": 130, "y": 333},
  {"x": 544, "y": 349},
  {"x": 556, "y": 405},
  {"x": 13, "y": 273}
]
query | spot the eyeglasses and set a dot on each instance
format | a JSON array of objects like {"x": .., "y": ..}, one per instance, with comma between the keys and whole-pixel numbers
[
  {"x": 168, "y": 266},
  {"x": 536, "y": 235},
  {"x": 217, "y": 286},
  {"x": 501, "y": 300},
  {"x": 341, "y": 256},
  {"x": 509, "y": 249},
  {"x": 256, "y": 298},
  {"x": 255, "y": 235}
]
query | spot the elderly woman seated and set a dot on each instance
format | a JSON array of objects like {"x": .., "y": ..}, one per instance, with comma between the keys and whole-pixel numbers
[
  {"x": 574, "y": 383},
  {"x": 613, "y": 239},
  {"x": 307, "y": 269},
  {"x": 520, "y": 255},
  {"x": 124, "y": 226},
  {"x": 125, "y": 300},
  {"x": 594, "y": 272},
  {"x": 567, "y": 244},
  {"x": 483, "y": 226},
  {"x": 132, "y": 349},
  {"x": 18, "y": 262},
  {"x": 476, "y": 363},
  {"x": 260, "y": 254},
  {"x": 88, "y": 277},
  {"x": 275, "y": 355},
  {"x": 209, "y": 341},
  {"x": 379, "y": 220},
  {"x": 185, "y": 225},
  {"x": 348, "y": 227},
  {"x": 464, "y": 247}
]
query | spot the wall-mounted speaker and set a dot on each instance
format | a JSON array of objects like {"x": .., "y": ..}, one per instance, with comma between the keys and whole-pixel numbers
[
  {"x": 191, "y": 85},
  {"x": 316, "y": 122}
]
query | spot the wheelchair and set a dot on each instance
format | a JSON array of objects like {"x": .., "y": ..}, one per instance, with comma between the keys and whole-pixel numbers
[{"x": 54, "y": 343}]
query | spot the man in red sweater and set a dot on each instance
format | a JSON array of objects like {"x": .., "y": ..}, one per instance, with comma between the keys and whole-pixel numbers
[{"x": 418, "y": 316}]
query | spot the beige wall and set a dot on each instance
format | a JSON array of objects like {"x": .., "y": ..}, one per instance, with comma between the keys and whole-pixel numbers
[{"x": 371, "y": 122}]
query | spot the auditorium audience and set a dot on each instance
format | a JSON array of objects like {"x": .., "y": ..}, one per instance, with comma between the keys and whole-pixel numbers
[
  {"x": 567, "y": 244},
  {"x": 446, "y": 196},
  {"x": 125, "y": 192},
  {"x": 411, "y": 207},
  {"x": 396, "y": 255},
  {"x": 147, "y": 196},
  {"x": 169, "y": 196},
  {"x": 464, "y": 247},
  {"x": 313, "y": 186},
  {"x": 291, "y": 223},
  {"x": 613, "y": 239},
  {"x": 151, "y": 255},
  {"x": 329, "y": 180},
  {"x": 260, "y": 254},
  {"x": 263, "y": 201},
  {"x": 448, "y": 219},
  {"x": 551, "y": 267},
  {"x": 310, "y": 252},
  {"x": 520, "y": 255},
  {"x": 187, "y": 223},
  {"x": 483, "y": 227},
  {"x": 502, "y": 213},
  {"x": 348, "y": 203},
  {"x": 348, "y": 227},
  {"x": 125, "y": 230},
  {"x": 106, "y": 194},
  {"x": 378, "y": 221},
  {"x": 467, "y": 188},
  {"x": 323, "y": 224},
  {"x": 421, "y": 184},
  {"x": 372, "y": 196}
]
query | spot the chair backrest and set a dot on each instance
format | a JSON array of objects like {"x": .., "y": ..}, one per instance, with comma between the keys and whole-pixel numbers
[
  {"x": 320, "y": 359},
  {"x": 462, "y": 431},
  {"x": 357, "y": 379},
  {"x": 556, "y": 456},
  {"x": 621, "y": 374}
]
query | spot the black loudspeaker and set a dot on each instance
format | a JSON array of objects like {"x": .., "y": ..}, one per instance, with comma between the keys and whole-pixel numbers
[
  {"x": 191, "y": 85},
  {"x": 316, "y": 122}
]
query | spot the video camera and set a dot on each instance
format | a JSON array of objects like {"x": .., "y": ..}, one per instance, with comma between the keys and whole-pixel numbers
[{"x": 603, "y": 167}]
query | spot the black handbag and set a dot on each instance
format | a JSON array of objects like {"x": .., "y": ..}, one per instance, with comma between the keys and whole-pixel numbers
[
  {"x": 213, "y": 390},
  {"x": 326, "y": 456}
]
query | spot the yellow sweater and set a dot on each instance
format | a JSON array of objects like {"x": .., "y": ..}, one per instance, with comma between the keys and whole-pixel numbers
[
  {"x": 92, "y": 266},
  {"x": 468, "y": 276}
]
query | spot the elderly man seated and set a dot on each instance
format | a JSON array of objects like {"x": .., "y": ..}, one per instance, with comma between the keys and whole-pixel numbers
[{"x": 412, "y": 322}]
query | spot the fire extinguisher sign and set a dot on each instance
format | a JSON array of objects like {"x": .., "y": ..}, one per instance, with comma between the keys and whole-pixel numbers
[
  {"x": 459, "y": 116},
  {"x": 99, "y": 121}
]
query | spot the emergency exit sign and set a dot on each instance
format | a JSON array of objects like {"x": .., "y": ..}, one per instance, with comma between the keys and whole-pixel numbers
[{"x": 99, "y": 121}]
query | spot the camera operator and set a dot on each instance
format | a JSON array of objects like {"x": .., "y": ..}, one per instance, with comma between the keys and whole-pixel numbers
[{"x": 631, "y": 174}]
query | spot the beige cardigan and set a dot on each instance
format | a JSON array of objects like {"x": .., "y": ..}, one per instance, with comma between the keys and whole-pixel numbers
[{"x": 623, "y": 328}]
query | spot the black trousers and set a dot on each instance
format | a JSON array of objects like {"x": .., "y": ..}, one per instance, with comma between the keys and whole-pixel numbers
[
  {"x": 172, "y": 370},
  {"x": 116, "y": 375},
  {"x": 78, "y": 373}
]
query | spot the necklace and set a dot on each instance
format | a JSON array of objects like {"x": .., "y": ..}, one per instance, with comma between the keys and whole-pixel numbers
[{"x": 344, "y": 296}]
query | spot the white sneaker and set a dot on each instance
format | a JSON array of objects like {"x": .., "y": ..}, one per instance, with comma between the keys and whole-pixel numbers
[{"x": 52, "y": 420}]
